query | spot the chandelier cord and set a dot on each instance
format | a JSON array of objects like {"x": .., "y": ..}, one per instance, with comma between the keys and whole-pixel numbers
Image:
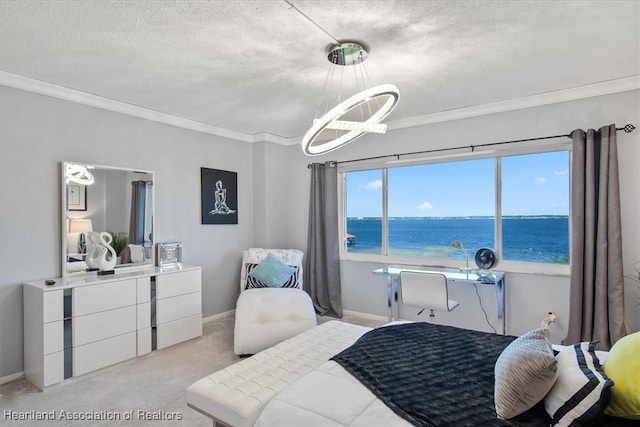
[
  {"x": 364, "y": 76},
  {"x": 368, "y": 79},
  {"x": 346, "y": 53},
  {"x": 324, "y": 90},
  {"x": 312, "y": 21}
]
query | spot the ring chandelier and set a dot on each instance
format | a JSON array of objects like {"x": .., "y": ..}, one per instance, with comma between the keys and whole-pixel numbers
[
  {"x": 356, "y": 115},
  {"x": 79, "y": 174}
]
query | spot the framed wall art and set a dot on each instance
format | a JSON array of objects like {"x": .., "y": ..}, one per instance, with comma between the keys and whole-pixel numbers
[
  {"x": 169, "y": 254},
  {"x": 219, "y": 190},
  {"x": 76, "y": 197}
]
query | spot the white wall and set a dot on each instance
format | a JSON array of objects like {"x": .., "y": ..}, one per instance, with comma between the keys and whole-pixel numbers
[
  {"x": 528, "y": 296},
  {"x": 271, "y": 196},
  {"x": 38, "y": 132}
]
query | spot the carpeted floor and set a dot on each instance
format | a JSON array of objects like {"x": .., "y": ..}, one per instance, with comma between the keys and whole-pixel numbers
[{"x": 145, "y": 391}]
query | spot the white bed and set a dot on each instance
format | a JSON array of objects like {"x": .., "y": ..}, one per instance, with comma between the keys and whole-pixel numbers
[
  {"x": 331, "y": 397},
  {"x": 328, "y": 397},
  {"x": 295, "y": 384},
  {"x": 236, "y": 395}
]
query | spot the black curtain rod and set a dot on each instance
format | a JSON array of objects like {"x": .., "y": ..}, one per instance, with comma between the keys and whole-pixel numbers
[{"x": 628, "y": 128}]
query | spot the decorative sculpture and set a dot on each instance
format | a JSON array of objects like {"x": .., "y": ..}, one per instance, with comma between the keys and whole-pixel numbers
[
  {"x": 102, "y": 255},
  {"x": 95, "y": 251}
]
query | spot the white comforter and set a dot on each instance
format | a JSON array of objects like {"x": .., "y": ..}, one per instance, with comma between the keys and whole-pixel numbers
[{"x": 329, "y": 397}]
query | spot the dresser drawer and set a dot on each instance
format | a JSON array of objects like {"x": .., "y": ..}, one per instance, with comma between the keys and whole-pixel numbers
[
  {"x": 100, "y": 354},
  {"x": 144, "y": 315},
  {"x": 144, "y": 341},
  {"x": 53, "y": 337},
  {"x": 172, "y": 284},
  {"x": 102, "y": 297},
  {"x": 52, "y": 306},
  {"x": 179, "y": 330},
  {"x": 143, "y": 286},
  {"x": 175, "y": 308},
  {"x": 106, "y": 324},
  {"x": 53, "y": 368}
]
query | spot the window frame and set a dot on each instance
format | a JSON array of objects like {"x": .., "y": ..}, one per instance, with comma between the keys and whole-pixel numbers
[{"x": 497, "y": 154}]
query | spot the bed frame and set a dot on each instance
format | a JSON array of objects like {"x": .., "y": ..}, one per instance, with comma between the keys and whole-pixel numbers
[{"x": 235, "y": 396}]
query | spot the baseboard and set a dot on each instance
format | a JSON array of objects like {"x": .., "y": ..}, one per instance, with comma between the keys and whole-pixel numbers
[
  {"x": 218, "y": 316},
  {"x": 347, "y": 312},
  {"x": 8, "y": 378},
  {"x": 366, "y": 315}
]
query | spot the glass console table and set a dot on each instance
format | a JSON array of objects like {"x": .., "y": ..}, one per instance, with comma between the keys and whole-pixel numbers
[{"x": 392, "y": 272}]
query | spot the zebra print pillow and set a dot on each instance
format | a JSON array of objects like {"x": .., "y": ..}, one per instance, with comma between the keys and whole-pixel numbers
[
  {"x": 582, "y": 391},
  {"x": 253, "y": 283}
]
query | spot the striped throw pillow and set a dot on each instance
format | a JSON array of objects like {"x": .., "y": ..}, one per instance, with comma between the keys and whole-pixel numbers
[
  {"x": 253, "y": 283},
  {"x": 582, "y": 391},
  {"x": 524, "y": 373}
]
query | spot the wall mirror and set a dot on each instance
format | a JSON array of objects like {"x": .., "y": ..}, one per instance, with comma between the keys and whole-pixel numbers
[{"x": 109, "y": 199}]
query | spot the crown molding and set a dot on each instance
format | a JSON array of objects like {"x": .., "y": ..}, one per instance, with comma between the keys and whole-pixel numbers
[
  {"x": 49, "y": 89},
  {"x": 276, "y": 139},
  {"x": 67, "y": 94},
  {"x": 564, "y": 95}
]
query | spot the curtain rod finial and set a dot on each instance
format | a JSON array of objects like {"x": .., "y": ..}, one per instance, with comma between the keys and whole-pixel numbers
[{"x": 628, "y": 128}]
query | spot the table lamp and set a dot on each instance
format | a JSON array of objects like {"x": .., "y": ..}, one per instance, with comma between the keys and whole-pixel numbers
[
  {"x": 458, "y": 245},
  {"x": 81, "y": 225}
]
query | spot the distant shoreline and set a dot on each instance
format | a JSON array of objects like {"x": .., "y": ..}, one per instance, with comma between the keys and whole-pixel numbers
[{"x": 420, "y": 218}]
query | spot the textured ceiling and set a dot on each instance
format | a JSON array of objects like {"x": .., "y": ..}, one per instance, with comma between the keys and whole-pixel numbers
[{"x": 259, "y": 66}]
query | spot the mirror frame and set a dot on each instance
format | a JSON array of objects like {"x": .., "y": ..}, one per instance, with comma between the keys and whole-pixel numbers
[{"x": 149, "y": 261}]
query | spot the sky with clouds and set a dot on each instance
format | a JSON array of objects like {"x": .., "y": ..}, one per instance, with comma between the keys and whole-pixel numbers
[{"x": 534, "y": 184}]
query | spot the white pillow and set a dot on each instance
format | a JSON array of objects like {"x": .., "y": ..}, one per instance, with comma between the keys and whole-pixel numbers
[
  {"x": 76, "y": 266},
  {"x": 137, "y": 253},
  {"x": 582, "y": 390}
]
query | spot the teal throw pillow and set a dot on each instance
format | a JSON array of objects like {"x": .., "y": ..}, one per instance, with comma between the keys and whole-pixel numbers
[{"x": 272, "y": 272}]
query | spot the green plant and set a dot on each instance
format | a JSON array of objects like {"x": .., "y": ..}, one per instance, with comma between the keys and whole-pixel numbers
[
  {"x": 560, "y": 260},
  {"x": 118, "y": 241}
]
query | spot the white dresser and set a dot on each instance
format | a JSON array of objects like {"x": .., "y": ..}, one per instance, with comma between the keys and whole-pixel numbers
[{"x": 84, "y": 323}]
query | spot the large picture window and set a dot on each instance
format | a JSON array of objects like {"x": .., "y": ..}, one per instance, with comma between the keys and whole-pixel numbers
[{"x": 517, "y": 205}]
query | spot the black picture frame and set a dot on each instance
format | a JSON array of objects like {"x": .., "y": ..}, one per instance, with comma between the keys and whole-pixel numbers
[
  {"x": 76, "y": 197},
  {"x": 219, "y": 196}
]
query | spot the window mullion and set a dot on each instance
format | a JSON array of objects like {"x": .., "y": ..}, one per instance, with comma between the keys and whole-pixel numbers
[
  {"x": 498, "y": 208},
  {"x": 385, "y": 214}
]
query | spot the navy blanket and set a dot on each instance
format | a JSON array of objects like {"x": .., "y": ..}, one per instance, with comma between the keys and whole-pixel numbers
[{"x": 433, "y": 375}]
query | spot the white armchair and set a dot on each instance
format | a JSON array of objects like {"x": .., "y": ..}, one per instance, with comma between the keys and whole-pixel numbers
[{"x": 266, "y": 316}]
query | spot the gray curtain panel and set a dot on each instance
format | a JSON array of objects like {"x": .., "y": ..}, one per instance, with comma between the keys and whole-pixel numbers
[
  {"x": 138, "y": 201},
  {"x": 322, "y": 270},
  {"x": 596, "y": 310}
]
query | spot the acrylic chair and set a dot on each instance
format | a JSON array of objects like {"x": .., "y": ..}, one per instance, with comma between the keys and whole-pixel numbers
[{"x": 426, "y": 291}]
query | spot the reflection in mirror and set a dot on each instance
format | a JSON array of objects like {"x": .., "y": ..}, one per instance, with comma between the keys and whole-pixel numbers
[{"x": 109, "y": 199}]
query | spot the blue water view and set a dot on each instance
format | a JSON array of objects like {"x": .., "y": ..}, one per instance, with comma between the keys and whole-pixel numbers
[{"x": 525, "y": 238}]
